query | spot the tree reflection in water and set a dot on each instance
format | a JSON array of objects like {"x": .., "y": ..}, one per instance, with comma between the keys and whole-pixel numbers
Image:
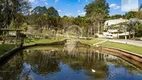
[
  {"x": 12, "y": 68},
  {"x": 61, "y": 65}
]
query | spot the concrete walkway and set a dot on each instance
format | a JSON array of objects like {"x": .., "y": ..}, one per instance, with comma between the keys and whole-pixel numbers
[
  {"x": 99, "y": 42},
  {"x": 131, "y": 42}
]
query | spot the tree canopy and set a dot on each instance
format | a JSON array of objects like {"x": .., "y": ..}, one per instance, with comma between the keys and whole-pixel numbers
[
  {"x": 130, "y": 15},
  {"x": 39, "y": 10},
  {"x": 97, "y": 7},
  {"x": 51, "y": 11},
  {"x": 97, "y": 11},
  {"x": 117, "y": 16},
  {"x": 10, "y": 8}
]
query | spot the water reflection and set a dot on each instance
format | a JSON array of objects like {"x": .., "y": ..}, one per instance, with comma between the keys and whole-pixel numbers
[{"x": 61, "y": 65}]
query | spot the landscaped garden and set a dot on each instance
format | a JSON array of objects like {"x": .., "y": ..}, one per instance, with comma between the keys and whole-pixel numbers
[{"x": 70, "y": 40}]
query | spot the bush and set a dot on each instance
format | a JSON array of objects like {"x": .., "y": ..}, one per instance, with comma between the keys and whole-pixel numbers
[{"x": 138, "y": 30}]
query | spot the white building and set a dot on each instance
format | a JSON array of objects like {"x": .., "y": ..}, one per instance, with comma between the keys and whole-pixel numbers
[
  {"x": 113, "y": 22},
  {"x": 113, "y": 32}
]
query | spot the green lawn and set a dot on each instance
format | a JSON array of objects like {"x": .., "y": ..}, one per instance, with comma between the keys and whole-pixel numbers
[
  {"x": 5, "y": 47},
  {"x": 91, "y": 42},
  {"x": 41, "y": 41},
  {"x": 127, "y": 47},
  {"x": 131, "y": 48},
  {"x": 47, "y": 47}
]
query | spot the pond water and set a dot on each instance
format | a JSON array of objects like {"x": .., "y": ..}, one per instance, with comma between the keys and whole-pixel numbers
[{"x": 59, "y": 64}]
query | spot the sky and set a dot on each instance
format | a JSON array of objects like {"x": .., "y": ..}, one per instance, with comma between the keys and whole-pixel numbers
[{"x": 76, "y": 7}]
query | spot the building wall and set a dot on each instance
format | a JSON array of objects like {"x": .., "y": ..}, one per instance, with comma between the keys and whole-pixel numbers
[{"x": 113, "y": 22}]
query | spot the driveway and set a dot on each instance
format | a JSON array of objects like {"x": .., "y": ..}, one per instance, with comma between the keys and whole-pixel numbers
[{"x": 131, "y": 42}]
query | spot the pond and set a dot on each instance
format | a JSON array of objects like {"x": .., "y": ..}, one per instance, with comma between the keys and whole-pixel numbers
[{"x": 59, "y": 64}]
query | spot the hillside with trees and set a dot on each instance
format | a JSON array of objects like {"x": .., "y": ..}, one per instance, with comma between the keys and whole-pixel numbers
[{"x": 17, "y": 14}]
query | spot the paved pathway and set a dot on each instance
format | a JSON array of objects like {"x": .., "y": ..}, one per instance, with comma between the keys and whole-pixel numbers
[
  {"x": 131, "y": 42},
  {"x": 99, "y": 42}
]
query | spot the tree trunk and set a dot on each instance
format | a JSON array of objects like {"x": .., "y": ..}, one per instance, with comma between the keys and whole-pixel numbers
[
  {"x": 101, "y": 27},
  {"x": 125, "y": 36},
  {"x": 91, "y": 30},
  {"x": 7, "y": 14},
  {"x": 94, "y": 30},
  {"x": 87, "y": 33},
  {"x": 133, "y": 35},
  {"x": 44, "y": 33},
  {"x": 98, "y": 28},
  {"x": 129, "y": 35}
]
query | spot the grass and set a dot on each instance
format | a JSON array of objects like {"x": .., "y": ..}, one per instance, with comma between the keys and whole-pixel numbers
[
  {"x": 127, "y": 47},
  {"x": 41, "y": 41},
  {"x": 47, "y": 47},
  {"x": 91, "y": 42},
  {"x": 5, "y": 47},
  {"x": 131, "y": 48},
  {"x": 37, "y": 40}
]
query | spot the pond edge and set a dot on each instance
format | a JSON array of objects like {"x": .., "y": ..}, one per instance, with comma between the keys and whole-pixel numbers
[{"x": 132, "y": 55}]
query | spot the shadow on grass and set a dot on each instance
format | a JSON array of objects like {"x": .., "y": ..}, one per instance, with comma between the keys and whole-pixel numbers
[{"x": 5, "y": 48}]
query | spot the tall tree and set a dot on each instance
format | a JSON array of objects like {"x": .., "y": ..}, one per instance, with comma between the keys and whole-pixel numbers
[
  {"x": 130, "y": 15},
  {"x": 97, "y": 11},
  {"x": 117, "y": 16},
  {"x": 1, "y": 5},
  {"x": 131, "y": 26},
  {"x": 67, "y": 21},
  {"x": 10, "y": 8},
  {"x": 1, "y": 13},
  {"x": 52, "y": 11},
  {"x": 97, "y": 7},
  {"x": 139, "y": 13},
  {"x": 138, "y": 30},
  {"x": 41, "y": 21},
  {"x": 39, "y": 10},
  {"x": 19, "y": 20},
  {"x": 140, "y": 7}
]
